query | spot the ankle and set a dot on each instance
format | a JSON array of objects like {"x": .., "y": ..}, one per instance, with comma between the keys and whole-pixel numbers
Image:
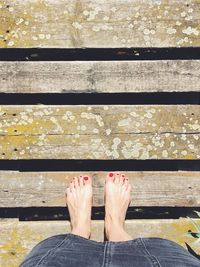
[
  {"x": 81, "y": 231},
  {"x": 114, "y": 221},
  {"x": 117, "y": 234},
  {"x": 113, "y": 225},
  {"x": 82, "y": 228}
]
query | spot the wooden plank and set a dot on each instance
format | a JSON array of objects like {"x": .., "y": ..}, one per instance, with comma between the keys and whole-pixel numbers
[
  {"x": 18, "y": 238},
  {"x": 100, "y": 132},
  {"x": 91, "y": 23},
  {"x": 100, "y": 76},
  {"x": 47, "y": 189}
]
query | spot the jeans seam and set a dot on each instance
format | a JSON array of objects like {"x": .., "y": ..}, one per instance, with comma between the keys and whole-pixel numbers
[
  {"x": 152, "y": 257},
  {"x": 104, "y": 255},
  {"x": 49, "y": 251},
  {"x": 109, "y": 250}
]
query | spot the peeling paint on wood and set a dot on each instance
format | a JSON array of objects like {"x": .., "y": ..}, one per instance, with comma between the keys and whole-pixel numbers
[
  {"x": 100, "y": 76},
  {"x": 47, "y": 189},
  {"x": 124, "y": 132},
  {"x": 91, "y": 23},
  {"x": 18, "y": 238}
]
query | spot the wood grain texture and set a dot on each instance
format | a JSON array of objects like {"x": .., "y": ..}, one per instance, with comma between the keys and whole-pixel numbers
[
  {"x": 91, "y": 23},
  {"x": 100, "y": 132},
  {"x": 47, "y": 189},
  {"x": 18, "y": 238},
  {"x": 100, "y": 76}
]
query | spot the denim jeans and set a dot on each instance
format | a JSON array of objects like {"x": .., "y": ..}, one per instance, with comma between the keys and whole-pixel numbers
[{"x": 69, "y": 250}]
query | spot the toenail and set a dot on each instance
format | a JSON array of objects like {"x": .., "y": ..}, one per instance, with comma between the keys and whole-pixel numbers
[
  {"x": 122, "y": 175},
  {"x": 85, "y": 178},
  {"x": 117, "y": 173},
  {"x": 111, "y": 174}
]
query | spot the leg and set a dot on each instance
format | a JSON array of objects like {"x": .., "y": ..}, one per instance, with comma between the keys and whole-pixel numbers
[
  {"x": 117, "y": 199},
  {"x": 167, "y": 253},
  {"x": 79, "y": 202},
  {"x": 41, "y": 249}
]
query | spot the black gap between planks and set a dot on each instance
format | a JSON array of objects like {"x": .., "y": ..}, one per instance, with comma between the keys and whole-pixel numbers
[
  {"x": 36, "y": 165},
  {"x": 98, "y": 213},
  {"x": 86, "y": 54},
  {"x": 92, "y": 98}
]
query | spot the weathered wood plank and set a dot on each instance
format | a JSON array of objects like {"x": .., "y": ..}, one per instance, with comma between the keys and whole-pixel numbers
[
  {"x": 100, "y": 76},
  {"x": 91, "y": 23},
  {"x": 18, "y": 238},
  {"x": 47, "y": 189},
  {"x": 100, "y": 132}
]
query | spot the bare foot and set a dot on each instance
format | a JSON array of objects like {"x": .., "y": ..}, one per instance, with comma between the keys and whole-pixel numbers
[
  {"x": 79, "y": 202},
  {"x": 117, "y": 199}
]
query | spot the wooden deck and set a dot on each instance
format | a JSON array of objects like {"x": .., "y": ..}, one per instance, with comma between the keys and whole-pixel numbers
[
  {"x": 100, "y": 76},
  {"x": 97, "y": 132},
  {"x": 100, "y": 132},
  {"x": 47, "y": 189},
  {"x": 90, "y": 23}
]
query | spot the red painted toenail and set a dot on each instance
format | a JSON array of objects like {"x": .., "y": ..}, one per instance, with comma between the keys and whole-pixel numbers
[
  {"x": 117, "y": 173},
  {"x": 111, "y": 174},
  {"x": 85, "y": 178},
  {"x": 122, "y": 175}
]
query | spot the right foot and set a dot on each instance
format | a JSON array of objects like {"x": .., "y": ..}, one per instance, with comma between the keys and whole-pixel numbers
[{"x": 117, "y": 199}]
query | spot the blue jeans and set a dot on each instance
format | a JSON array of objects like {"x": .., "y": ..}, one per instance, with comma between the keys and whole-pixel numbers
[{"x": 69, "y": 250}]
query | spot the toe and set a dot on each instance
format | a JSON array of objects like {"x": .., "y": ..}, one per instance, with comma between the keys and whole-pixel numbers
[
  {"x": 67, "y": 191},
  {"x": 76, "y": 183},
  {"x": 81, "y": 183},
  {"x": 71, "y": 186},
  {"x": 126, "y": 182},
  {"x": 68, "y": 194},
  {"x": 110, "y": 176},
  {"x": 86, "y": 179},
  {"x": 117, "y": 177},
  {"x": 71, "y": 180},
  {"x": 121, "y": 179}
]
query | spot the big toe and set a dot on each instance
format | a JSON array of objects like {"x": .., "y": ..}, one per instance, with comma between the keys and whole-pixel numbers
[
  {"x": 110, "y": 177},
  {"x": 87, "y": 180}
]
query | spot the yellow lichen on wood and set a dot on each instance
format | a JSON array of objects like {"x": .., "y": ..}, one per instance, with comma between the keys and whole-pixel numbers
[
  {"x": 18, "y": 241},
  {"x": 100, "y": 132},
  {"x": 18, "y": 238},
  {"x": 89, "y": 23},
  {"x": 172, "y": 229},
  {"x": 14, "y": 249}
]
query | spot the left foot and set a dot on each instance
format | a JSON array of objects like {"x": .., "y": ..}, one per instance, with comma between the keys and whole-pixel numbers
[{"x": 79, "y": 202}]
